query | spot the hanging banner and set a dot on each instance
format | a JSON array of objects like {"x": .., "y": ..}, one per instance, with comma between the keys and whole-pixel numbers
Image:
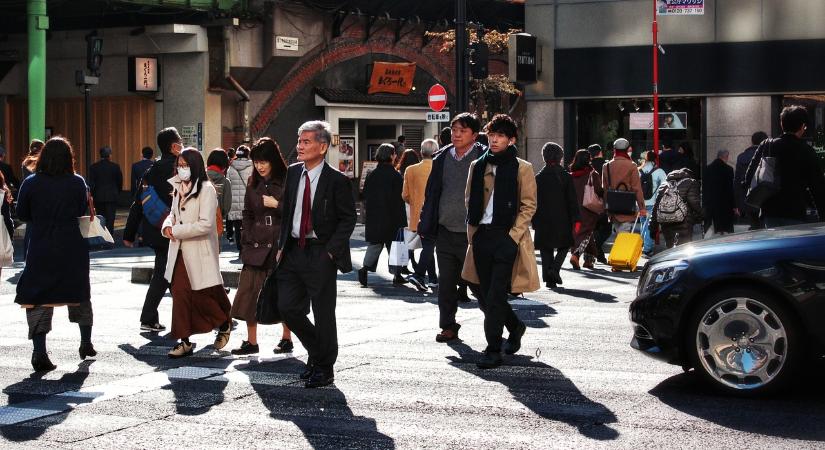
[
  {"x": 667, "y": 121},
  {"x": 680, "y": 7},
  {"x": 393, "y": 78}
]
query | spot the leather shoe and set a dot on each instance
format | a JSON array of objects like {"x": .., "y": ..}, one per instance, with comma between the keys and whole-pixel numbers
[
  {"x": 490, "y": 360},
  {"x": 513, "y": 343},
  {"x": 447, "y": 335},
  {"x": 362, "y": 276},
  {"x": 320, "y": 378},
  {"x": 308, "y": 371},
  {"x": 556, "y": 277},
  {"x": 86, "y": 349},
  {"x": 41, "y": 362}
]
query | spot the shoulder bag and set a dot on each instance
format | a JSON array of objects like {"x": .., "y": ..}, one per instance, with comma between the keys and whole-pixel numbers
[
  {"x": 765, "y": 182},
  {"x": 591, "y": 200}
]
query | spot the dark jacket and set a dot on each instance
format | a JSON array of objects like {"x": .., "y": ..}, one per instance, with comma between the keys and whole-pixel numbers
[
  {"x": 261, "y": 225},
  {"x": 157, "y": 176},
  {"x": 801, "y": 182},
  {"x": 428, "y": 224},
  {"x": 690, "y": 190},
  {"x": 597, "y": 164},
  {"x": 557, "y": 209},
  {"x": 8, "y": 174},
  {"x": 333, "y": 212},
  {"x": 383, "y": 204},
  {"x": 138, "y": 169},
  {"x": 589, "y": 219},
  {"x": 57, "y": 262},
  {"x": 717, "y": 196},
  {"x": 105, "y": 181},
  {"x": 742, "y": 162},
  {"x": 669, "y": 160}
]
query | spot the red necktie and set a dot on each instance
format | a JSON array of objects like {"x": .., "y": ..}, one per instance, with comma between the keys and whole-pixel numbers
[{"x": 306, "y": 213}]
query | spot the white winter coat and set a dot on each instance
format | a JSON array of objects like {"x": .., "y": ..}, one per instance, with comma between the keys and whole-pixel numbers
[
  {"x": 195, "y": 232},
  {"x": 238, "y": 174}
]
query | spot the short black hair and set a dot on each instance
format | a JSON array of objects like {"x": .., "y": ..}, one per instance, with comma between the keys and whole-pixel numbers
[
  {"x": 467, "y": 120},
  {"x": 758, "y": 137},
  {"x": 402, "y": 139},
  {"x": 105, "y": 151},
  {"x": 595, "y": 150},
  {"x": 504, "y": 124},
  {"x": 482, "y": 139},
  {"x": 218, "y": 158},
  {"x": 147, "y": 152},
  {"x": 384, "y": 153},
  {"x": 167, "y": 137},
  {"x": 445, "y": 136},
  {"x": 56, "y": 158},
  {"x": 792, "y": 118},
  {"x": 552, "y": 153},
  {"x": 242, "y": 151}
]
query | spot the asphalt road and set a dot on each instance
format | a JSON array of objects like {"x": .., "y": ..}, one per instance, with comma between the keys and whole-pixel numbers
[{"x": 575, "y": 383}]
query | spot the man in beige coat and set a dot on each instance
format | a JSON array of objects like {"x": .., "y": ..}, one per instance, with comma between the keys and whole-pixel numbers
[
  {"x": 415, "y": 183},
  {"x": 501, "y": 201},
  {"x": 621, "y": 173}
]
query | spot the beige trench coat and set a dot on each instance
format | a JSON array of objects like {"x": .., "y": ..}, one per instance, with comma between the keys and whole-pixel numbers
[
  {"x": 195, "y": 232},
  {"x": 525, "y": 276}
]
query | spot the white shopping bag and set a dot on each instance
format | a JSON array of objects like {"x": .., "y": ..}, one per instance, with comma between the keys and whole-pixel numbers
[
  {"x": 6, "y": 248},
  {"x": 94, "y": 230},
  {"x": 412, "y": 239},
  {"x": 399, "y": 253}
]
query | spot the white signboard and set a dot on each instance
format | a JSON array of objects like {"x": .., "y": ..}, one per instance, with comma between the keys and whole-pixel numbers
[
  {"x": 667, "y": 121},
  {"x": 189, "y": 136},
  {"x": 442, "y": 116},
  {"x": 680, "y": 7},
  {"x": 146, "y": 74},
  {"x": 286, "y": 43}
]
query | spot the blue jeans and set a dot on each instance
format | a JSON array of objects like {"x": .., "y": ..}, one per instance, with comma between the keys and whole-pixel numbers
[{"x": 646, "y": 234}]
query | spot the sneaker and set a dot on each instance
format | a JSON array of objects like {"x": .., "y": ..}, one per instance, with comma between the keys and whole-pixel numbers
[
  {"x": 417, "y": 283},
  {"x": 245, "y": 349},
  {"x": 41, "y": 362},
  {"x": 433, "y": 284},
  {"x": 398, "y": 279},
  {"x": 285, "y": 346},
  {"x": 156, "y": 327},
  {"x": 180, "y": 350},
  {"x": 221, "y": 339}
]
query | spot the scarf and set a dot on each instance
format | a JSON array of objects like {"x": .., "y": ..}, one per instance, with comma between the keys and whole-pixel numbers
[
  {"x": 620, "y": 154},
  {"x": 505, "y": 201},
  {"x": 215, "y": 168},
  {"x": 581, "y": 172}
]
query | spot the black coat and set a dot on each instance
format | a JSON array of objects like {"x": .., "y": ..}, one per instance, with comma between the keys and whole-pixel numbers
[
  {"x": 138, "y": 169},
  {"x": 383, "y": 204},
  {"x": 105, "y": 181},
  {"x": 57, "y": 262},
  {"x": 8, "y": 174},
  {"x": 158, "y": 176},
  {"x": 557, "y": 209},
  {"x": 800, "y": 179},
  {"x": 333, "y": 212},
  {"x": 718, "y": 197},
  {"x": 742, "y": 163}
]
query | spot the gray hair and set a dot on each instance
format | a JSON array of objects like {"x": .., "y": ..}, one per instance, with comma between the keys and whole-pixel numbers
[
  {"x": 322, "y": 130},
  {"x": 428, "y": 147},
  {"x": 384, "y": 153},
  {"x": 722, "y": 154}
]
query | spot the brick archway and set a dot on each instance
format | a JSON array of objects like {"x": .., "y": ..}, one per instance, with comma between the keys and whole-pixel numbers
[{"x": 429, "y": 59}]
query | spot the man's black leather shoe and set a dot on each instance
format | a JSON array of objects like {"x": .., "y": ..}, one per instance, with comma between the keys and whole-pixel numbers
[
  {"x": 513, "y": 343},
  {"x": 490, "y": 360},
  {"x": 362, "y": 276},
  {"x": 308, "y": 371},
  {"x": 320, "y": 378}
]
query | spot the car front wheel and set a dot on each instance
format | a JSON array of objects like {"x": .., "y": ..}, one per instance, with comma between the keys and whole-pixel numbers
[{"x": 743, "y": 341}]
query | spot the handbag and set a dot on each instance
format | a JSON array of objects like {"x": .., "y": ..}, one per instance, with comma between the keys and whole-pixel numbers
[
  {"x": 591, "y": 199},
  {"x": 412, "y": 239},
  {"x": 765, "y": 182},
  {"x": 399, "y": 253},
  {"x": 619, "y": 202},
  {"x": 6, "y": 247},
  {"x": 155, "y": 209},
  {"x": 92, "y": 227},
  {"x": 266, "y": 310}
]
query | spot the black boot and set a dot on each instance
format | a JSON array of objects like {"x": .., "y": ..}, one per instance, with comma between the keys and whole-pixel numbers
[
  {"x": 41, "y": 362},
  {"x": 87, "y": 349},
  {"x": 362, "y": 276}
]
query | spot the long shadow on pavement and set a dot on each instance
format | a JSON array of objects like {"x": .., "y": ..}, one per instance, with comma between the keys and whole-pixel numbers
[
  {"x": 323, "y": 415},
  {"x": 38, "y": 394},
  {"x": 599, "y": 297},
  {"x": 543, "y": 389}
]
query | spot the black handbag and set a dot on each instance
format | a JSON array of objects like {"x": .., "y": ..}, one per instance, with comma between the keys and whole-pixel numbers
[
  {"x": 266, "y": 312},
  {"x": 618, "y": 202},
  {"x": 765, "y": 182}
]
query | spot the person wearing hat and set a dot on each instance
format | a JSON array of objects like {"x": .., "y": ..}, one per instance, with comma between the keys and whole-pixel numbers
[
  {"x": 105, "y": 182},
  {"x": 621, "y": 173}
]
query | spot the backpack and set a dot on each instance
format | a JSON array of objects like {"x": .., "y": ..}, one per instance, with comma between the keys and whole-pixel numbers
[
  {"x": 647, "y": 183},
  {"x": 671, "y": 208}
]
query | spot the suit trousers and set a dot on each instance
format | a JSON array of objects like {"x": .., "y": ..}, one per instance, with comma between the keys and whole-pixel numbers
[
  {"x": 373, "y": 253},
  {"x": 109, "y": 211},
  {"x": 494, "y": 252},
  {"x": 426, "y": 260},
  {"x": 307, "y": 276},
  {"x": 451, "y": 249},
  {"x": 157, "y": 287},
  {"x": 551, "y": 264}
]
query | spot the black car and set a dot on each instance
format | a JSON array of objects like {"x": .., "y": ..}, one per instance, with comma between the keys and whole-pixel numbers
[{"x": 745, "y": 310}]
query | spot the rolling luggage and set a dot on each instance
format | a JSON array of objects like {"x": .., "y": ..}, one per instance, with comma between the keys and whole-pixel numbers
[{"x": 627, "y": 248}]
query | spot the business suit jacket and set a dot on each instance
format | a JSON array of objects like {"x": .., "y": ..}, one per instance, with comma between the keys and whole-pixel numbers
[
  {"x": 138, "y": 169},
  {"x": 333, "y": 212},
  {"x": 105, "y": 181}
]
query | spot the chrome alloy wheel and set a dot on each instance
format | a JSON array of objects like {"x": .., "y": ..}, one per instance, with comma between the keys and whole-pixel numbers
[{"x": 741, "y": 343}]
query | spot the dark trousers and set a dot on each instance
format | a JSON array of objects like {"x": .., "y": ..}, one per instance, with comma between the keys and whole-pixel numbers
[
  {"x": 306, "y": 276},
  {"x": 677, "y": 233},
  {"x": 426, "y": 260},
  {"x": 233, "y": 231},
  {"x": 603, "y": 232},
  {"x": 550, "y": 263},
  {"x": 494, "y": 253},
  {"x": 450, "y": 249},
  {"x": 108, "y": 210},
  {"x": 157, "y": 287}
]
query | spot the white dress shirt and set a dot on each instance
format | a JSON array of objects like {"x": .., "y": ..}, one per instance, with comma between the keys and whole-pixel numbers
[
  {"x": 487, "y": 218},
  {"x": 314, "y": 174}
]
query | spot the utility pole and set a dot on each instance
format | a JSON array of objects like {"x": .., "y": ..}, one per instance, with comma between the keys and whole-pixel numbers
[
  {"x": 655, "y": 84},
  {"x": 462, "y": 78}
]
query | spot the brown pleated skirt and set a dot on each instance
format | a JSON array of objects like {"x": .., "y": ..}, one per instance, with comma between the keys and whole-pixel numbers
[
  {"x": 195, "y": 312},
  {"x": 246, "y": 299}
]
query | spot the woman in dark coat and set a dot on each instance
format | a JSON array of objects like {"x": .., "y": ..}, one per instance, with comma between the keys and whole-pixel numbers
[
  {"x": 385, "y": 211},
  {"x": 718, "y": 195},
  {"x": 585, "y": 243},
  {"x": 262, "y": 226},
  {"x": 57, "y": 264},
  {"x": 557, "y": 211}
]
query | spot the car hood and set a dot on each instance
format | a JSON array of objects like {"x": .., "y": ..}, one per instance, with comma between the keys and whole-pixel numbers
[{"x": 774, "y": 238}]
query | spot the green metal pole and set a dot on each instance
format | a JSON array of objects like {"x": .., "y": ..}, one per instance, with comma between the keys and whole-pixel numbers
[{"x": 38, "y": 23}]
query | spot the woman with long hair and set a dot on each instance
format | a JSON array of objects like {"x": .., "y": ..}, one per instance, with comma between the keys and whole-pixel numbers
[
  {"x": 262, "y": 226},
  {"x": 408, "y": 158},
  {"x": 584, "y": 242},
  {"x": 57, "y": 266},
  {"x": 29, "y": 164},
  {"x": 199, "y": 301}
]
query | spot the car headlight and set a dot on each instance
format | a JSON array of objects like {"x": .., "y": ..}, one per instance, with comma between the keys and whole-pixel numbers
[{"x": 661, "y": 273}]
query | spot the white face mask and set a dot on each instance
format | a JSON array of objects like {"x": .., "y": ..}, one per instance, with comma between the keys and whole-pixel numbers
[{"x": 184, "y": 173}]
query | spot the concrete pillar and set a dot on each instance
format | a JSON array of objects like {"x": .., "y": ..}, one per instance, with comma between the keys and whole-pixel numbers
[
  {"x": 545, "y": 122},
  {"x": 37, "y": 24},
  {"x": 732, "y": 120}
]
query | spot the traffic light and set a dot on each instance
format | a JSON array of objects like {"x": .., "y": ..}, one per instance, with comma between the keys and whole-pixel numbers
[
  {"x": 94, "y": 54},
  {"x": 479, "y": 56}
]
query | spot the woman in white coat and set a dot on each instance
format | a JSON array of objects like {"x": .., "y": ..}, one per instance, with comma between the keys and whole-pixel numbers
[{"x": 199, "y": 301}]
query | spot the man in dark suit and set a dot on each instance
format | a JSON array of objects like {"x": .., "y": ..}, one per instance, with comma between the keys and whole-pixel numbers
[
  {"x": 140, "y": 167},
  {"x": 318, "y": 219},
  {"x": 105, "y": 181}
]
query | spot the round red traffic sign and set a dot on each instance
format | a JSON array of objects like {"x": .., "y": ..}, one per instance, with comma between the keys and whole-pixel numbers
[{"x": 437, "y": 97}]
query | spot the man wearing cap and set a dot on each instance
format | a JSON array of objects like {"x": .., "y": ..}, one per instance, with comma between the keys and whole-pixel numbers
[
  {"x": 621, "y": 173},
  {"x": 105, "y": 182}
]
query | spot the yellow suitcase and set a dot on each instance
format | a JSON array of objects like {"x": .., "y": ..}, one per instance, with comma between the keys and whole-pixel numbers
[{"x": 626, "y": 251}]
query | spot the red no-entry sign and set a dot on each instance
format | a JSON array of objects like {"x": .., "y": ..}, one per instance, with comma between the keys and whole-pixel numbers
[{"x": 437, "y": 97}]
